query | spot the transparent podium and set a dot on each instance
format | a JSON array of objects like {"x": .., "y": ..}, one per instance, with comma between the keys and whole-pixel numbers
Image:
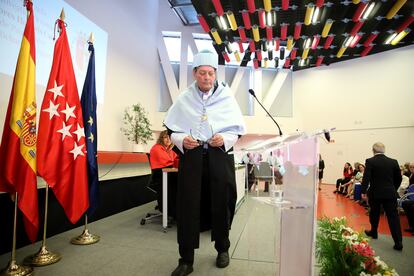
[{"x": 281, "y": 222}]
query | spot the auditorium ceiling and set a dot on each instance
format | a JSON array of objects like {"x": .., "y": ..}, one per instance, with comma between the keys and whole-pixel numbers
[{"x": 300, "y": 34}]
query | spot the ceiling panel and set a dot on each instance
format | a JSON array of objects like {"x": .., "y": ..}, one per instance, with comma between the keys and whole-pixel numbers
[{"x": 355, "y": 32}]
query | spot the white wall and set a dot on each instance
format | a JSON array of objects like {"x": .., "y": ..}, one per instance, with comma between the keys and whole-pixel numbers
[{"x": 367, "y": 99}]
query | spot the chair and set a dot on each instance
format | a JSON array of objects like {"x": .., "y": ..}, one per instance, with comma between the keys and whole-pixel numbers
[
  {"x": 409, "y": 195},
  {"x": 262, "y": 172},
  {"x": 153, "y": 186}
]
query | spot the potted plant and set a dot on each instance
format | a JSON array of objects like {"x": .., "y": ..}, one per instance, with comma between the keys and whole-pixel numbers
[{"x": 136, "y": 126}]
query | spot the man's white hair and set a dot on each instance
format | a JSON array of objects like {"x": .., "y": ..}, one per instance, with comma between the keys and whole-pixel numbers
[{"x": 378, "y": 147}]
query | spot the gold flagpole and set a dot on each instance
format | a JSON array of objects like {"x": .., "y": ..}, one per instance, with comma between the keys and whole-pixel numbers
[
  {"x": 13, "y": 268},
  {"x": 85, "y": 238},
  {"x": 43, "y": 256}
]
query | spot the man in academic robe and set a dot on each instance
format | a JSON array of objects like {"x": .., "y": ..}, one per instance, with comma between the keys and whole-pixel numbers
[
  {"x": 205, "y": 122},
  {"x": 383, "y": 176}
]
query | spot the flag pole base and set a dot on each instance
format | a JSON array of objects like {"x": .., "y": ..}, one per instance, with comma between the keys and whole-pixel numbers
[
  {"x": 42, "y": 258},
  {"x": 16, "y": 270},
  {"x": 85, "y": 238}
]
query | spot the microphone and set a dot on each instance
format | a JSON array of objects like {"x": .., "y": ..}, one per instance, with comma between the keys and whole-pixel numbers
[{"x": 251, "y": 91}]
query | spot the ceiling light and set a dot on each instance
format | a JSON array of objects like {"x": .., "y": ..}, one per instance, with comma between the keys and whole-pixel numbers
[
  {"x": 327, "y": 27},
  {"x": 309, "y": 13},
  {"x": 366, "y": 50},
  {"x": 269, "y": 33},
  {"x": 390, "y": 38},
  {"x": 269, "y": 19},
  {"x": 285, "y": 4},
  {"x": 255, "y": 63},
  {"x": 315, "y": 41},
  {"x": 361, "y": 7},
  {"x": 307, "y": 43},
  {"x": 226, "y": 56},
  {"x": 319, "y": 3},
  {"x": 246, "y": 20},
  {"x": 237, "y": 56},
  {"x": 203, "y": 23},
  {"x": 262, "y": 18},
  {"x": 315, "y": 15},
  {"x": 277, "y": 46},
  {"x": 319, "y": 61},
  {"x": 216, "y": 36},
  {"x": 289, "y": 43},
  {"x": 267, "y": 5},
  {"x": 223, "y": 22},
  {"x": 355, "y": 40},
  {"x": 348, "y": 41},
  {"x": 282, "y": 53},
  {"x": 368, "y": 11},
  {"x": 252, "y": 46},
  {"x": 250, "y": 6},
  {"x": 305, "y": 53},
  {"x": 397, "y": 6},
  {"x": 283, "y": 31},
  {"x": 298, "y": 28},
  {"x": 228, "y": 47},
  {"x": 371, "y": 38},
  {"x": 400, "y": 36},
  {"x": 265, "y": 65},
  {"x": 341, "y": 52},
  {"x": 328, "y": 41},
  {"x": 218, "y": 7},
  {"x": 405, "y": 24},
  {"x": 232, "y": 20},
  {"x": 256, "y": 35},
  {"x": 242, "y": 34},
  {"x": 293, "y": 53},
  {"x": 241, "y": 49},
  {"x": 259, "y": 54},
  {"x": 287, "y": 63}
]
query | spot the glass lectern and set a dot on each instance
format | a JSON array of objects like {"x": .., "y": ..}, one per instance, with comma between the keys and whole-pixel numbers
[{"x": 280, "y": 229}]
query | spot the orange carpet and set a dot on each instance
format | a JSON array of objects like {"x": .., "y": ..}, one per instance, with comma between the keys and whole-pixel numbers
[{"x": 334, "y": 205}]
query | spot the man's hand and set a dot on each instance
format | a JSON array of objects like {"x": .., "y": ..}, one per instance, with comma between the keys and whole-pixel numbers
[
  {"x": 364, "y": 196},
  {"x": 216, "y": 141},
  {"x": 189, "y": 143}
]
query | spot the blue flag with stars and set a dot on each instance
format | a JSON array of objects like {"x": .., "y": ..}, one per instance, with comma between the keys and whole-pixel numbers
[{"x": 88, "y": 102}]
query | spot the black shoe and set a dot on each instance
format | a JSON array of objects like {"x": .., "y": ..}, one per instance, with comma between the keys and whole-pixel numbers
[
  {"x": 409, "y": 230},
  {"x": 182, "y": 269},
  {"x": 371, "y": 234},
  {"x": 398, "y": 246},
  {"x": 222, "y": 260}
]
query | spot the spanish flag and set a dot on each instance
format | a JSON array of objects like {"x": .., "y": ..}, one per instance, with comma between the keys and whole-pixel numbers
[{"x": 18, "y": 144}]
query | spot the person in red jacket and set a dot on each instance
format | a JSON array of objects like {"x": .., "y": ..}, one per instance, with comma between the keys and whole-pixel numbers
[{"x": 162, "y": 156}]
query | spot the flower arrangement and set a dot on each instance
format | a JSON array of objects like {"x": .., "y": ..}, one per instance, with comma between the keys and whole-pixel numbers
[
  {"x": 342, "y": 251},
  {"x": 136, "y": 124}
]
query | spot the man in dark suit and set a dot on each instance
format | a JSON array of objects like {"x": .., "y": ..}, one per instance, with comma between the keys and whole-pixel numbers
[{"x": 383, "y": 176}]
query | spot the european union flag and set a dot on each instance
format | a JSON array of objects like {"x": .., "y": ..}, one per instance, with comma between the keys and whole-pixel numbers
[{"x": 88, "y": 102}]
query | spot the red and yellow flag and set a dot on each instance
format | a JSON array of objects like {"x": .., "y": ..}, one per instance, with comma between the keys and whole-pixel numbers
[{"x": 18, "y": 145}]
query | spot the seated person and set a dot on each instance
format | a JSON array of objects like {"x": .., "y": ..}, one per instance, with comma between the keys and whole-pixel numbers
[
  {"x": 162, "y": 156},
  {"x": 405, "y": 182},
  {"x": 347, "y": 175},
  {"x": 356, "y": 179}
]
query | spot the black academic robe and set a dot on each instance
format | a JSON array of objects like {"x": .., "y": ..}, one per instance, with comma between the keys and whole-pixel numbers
[{"x": 222, "y": 188}]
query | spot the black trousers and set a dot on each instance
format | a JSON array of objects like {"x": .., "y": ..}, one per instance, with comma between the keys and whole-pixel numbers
[
  {"x": 390, "y": 208},
  {"x": 222, "y": 244},
  {"x": 341, "y": 181},
  {"x": 408, "y": 206}
]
